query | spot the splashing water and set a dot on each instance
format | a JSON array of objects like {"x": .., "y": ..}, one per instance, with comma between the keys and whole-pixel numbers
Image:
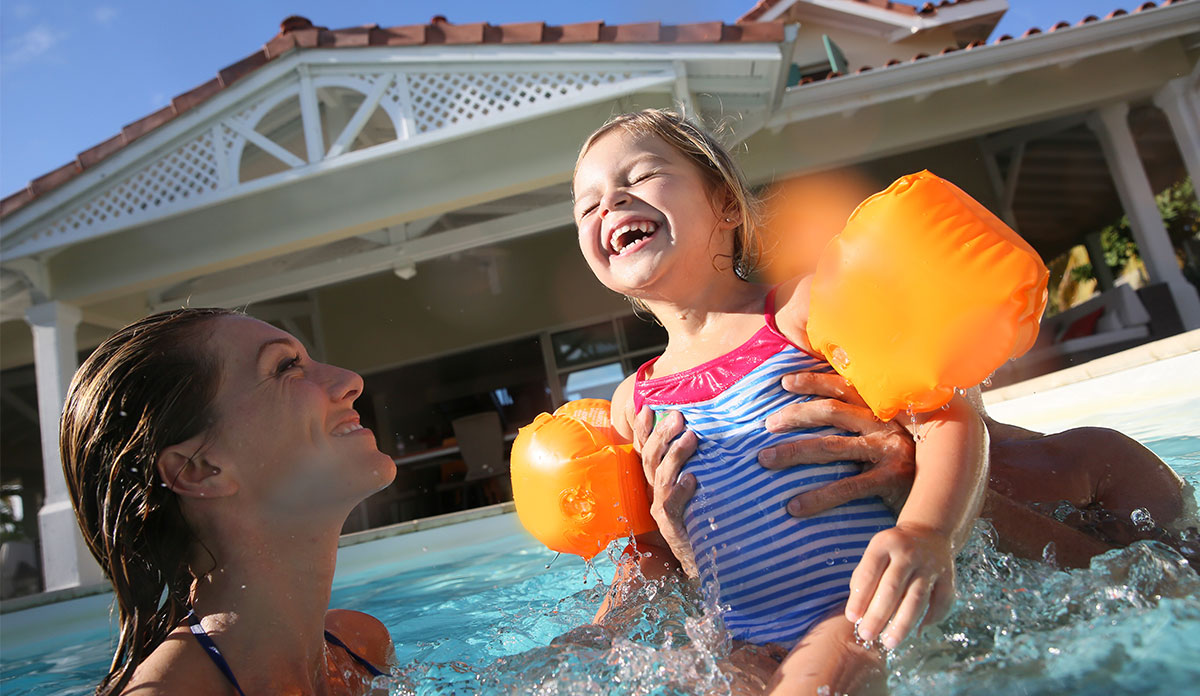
[{"x": 1019, "y": 627}]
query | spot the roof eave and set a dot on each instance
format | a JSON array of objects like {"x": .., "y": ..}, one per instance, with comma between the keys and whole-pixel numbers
[
  {"x": 986, "y": 63},
  {"x": 14, "y": 227}
]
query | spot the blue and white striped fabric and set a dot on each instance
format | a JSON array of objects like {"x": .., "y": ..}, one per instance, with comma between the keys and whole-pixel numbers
[{"x": 776, "y": 574}]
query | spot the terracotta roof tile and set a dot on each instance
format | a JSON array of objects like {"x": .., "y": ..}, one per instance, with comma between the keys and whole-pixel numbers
[
  {"x": 92, "y": 155},
  {"x": 645, "y": 32},
  {"x": 146, "y": 124},
  {"x": 527, "y": 33},
  {"x": 196, "y": 95},
  {"x": 232, "y": 73},
  {"x": 279, "y": 45},
  {"x": 582, "y": 32},
  {"x": 408, "y": 35},
  {"x": 704, "y": 32},
  {"x": 55, "y": 178},
  {"x": 16, "y": 201}
]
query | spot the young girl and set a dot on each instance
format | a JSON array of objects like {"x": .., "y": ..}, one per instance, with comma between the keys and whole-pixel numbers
[{"x": 665, "y": 219}]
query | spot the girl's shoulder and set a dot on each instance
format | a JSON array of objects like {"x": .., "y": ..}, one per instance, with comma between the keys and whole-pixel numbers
[
  {"x": 622, "y": 412},
  {"x": 791, "y": 309}
]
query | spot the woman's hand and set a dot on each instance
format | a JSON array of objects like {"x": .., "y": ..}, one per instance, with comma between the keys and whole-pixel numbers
[
  {"x": 886, "y": 448},
  {"x": 665, "y": 447}
]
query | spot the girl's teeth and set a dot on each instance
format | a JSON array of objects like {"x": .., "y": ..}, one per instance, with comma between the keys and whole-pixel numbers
[{"x": 644, "y": 226}]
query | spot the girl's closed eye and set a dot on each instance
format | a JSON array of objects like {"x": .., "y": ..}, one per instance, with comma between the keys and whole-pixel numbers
[{"x": 287, "y": 364}]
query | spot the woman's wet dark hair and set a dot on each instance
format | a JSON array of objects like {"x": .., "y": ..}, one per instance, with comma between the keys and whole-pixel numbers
[{"x": 147, "y": 387}]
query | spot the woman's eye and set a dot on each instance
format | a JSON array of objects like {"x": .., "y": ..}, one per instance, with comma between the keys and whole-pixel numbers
[{"x": 287, "y": 364}]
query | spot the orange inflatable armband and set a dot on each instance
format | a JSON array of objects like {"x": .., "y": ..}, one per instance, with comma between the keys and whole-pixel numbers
[
  {"x": 923, "y": 292},
  {"x": 576, "y": 487}
]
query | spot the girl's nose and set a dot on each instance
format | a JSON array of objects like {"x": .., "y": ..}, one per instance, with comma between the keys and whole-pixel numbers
[{"x": 612, "y": 201}]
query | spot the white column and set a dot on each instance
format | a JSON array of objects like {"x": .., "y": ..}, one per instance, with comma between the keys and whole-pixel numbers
[
  {"x": 1111, "y": 126},
  {"x": 1178, "y": 101},
  {"x": 66, "y": 561}
]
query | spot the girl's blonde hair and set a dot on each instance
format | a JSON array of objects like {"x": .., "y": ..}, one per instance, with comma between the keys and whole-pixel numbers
[{"x": 715, "y": 165}]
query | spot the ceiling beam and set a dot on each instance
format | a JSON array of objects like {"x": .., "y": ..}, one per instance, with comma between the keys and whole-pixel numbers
[{"x": 380, "y": 260}]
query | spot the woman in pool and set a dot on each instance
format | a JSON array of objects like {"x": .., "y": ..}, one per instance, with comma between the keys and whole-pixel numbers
[{"x": 211, "y": 463}]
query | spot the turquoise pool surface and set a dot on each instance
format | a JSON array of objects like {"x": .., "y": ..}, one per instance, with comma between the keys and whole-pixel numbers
[{"x": 491, "y": 618}]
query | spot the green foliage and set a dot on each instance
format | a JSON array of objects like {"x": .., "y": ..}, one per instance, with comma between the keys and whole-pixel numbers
[{"x": 1180, "y": 213}]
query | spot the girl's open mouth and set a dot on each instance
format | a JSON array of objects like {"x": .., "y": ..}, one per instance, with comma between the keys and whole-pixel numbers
[{"x": 630, "y": 236}]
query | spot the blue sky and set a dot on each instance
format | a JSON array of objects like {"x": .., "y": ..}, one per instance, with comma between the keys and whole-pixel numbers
[{"x": 73, "y": 72}]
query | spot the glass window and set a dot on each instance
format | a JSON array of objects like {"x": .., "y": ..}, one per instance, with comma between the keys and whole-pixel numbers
[
  {"x": 642, "y": 333},
  {"x": 593, "y": 382},
  {"x": 591, "y": 361},
  {"x": 585, "y": 345}
]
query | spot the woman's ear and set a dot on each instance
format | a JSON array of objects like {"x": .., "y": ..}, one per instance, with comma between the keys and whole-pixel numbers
[{"x": 186, "y": 470}]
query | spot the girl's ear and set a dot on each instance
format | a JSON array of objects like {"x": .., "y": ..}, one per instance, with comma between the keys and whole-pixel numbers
[
  {"x": 731, "y": 213},
  {"x": 186, "y": 470}
]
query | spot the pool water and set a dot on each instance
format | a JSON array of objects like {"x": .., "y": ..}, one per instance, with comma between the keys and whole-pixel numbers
[{"x": 491, "y": 618}]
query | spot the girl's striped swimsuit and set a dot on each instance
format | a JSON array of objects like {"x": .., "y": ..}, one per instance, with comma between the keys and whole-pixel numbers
[{"x": 775, "y": 575}]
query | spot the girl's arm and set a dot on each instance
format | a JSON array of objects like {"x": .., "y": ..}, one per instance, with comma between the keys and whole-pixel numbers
[
  {"x": 907, "y": 572},
  {"x": 664, "y": 447}
]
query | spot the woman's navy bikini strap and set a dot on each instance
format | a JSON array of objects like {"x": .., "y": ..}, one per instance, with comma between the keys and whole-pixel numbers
[
  {"x": 218, "y": 659},
  {"x": 372, "y": 669},
  {"x": 214, "y": 653}
]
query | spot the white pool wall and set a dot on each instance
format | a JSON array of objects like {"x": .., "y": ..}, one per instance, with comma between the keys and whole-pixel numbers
[{"x": 1163, "y": 372}]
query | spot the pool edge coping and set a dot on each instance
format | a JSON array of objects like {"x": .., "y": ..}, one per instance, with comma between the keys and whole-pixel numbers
[{"x": 1162, "y": 349}]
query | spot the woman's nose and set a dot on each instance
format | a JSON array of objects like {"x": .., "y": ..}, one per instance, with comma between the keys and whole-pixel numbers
[{"x": 344, "y": 385}]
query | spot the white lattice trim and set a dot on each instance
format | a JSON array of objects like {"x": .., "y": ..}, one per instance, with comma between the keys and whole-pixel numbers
[
  {"x": 418, "y": 104},
  {"x": 183, "y": 174},
  {"x": 442, "y": 99}
]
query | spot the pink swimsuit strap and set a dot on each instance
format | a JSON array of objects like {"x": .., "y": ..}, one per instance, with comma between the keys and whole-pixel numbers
[{"x": 709, "y": 379}]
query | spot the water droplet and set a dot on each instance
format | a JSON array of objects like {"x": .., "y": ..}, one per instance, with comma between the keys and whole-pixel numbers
[
  {"x": 829, "y": 561},
  {"x": 839, "y": 357},
  {"x": 123, "y": 414},
  {"x": 1063, "y": 510},
  {"x": 1050, "y": 554},
  {"x": 1142, "y": 520}
]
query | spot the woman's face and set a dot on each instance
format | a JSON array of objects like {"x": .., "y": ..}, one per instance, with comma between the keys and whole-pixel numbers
[{"x": 286, "y": 425}]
